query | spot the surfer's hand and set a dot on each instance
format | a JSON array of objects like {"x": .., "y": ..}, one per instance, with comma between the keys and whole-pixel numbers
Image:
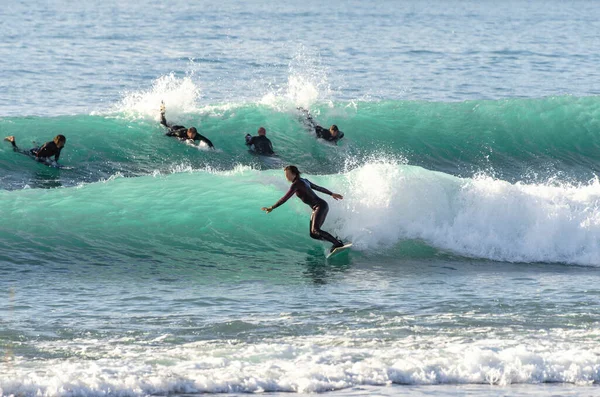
[
  {"x": 162, "y": 107},
  {"x": 337, "y": 196},
  {"x": 267, "y": 209}
]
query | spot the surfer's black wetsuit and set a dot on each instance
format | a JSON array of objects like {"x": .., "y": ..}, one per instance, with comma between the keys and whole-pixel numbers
[
  {"x": 303, "y": 188},
  {"x": 42, "y": 153},
  {"x": 262, "y": 145},
  {"x": 180, "y": 132},
  {"x": 322, "y": 133},
  {"x": 325, "y": 134}
]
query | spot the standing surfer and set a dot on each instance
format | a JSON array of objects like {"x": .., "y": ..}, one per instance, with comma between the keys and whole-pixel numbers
[{"x": 303, "y": 188}]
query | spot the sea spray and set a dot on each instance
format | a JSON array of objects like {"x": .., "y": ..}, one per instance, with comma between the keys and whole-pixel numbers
[{"x": 480, "y": 217}]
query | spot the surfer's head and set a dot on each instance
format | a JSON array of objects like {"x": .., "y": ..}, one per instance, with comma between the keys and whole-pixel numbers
[
  {"x": 262, "y": 131},
  {"x": 334, "y": 130},
  {"x": 191, "y": 132},
  {"x": 60, "y": 141},
  {"x": 291, "y": 173}
]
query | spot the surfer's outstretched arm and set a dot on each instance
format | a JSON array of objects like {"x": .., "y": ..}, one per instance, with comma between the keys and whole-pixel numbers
[
  {"x": 282, "y": 200},
  {"x": 320, "y": 189},
  {"x": 326, "y": 191}
]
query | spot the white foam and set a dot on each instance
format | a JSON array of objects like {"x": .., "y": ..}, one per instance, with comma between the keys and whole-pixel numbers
[
  {"x": 116, "y": 175},
  {"x": 299, "y": 364},
  {"x": 180, "y": 95},
  {"x": 482, "y": 217}
]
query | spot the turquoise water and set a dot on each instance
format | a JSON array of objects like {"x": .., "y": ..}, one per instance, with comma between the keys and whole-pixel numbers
[
  {"x": 146, "y": 267},
  {"x": 531, "y": 140}
]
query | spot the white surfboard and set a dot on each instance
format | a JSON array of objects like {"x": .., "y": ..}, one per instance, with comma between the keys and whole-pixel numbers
[{"x": 339, "y": 250}]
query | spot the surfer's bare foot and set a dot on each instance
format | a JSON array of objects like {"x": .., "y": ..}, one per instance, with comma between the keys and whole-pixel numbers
[{"x": 11, "y": 139}]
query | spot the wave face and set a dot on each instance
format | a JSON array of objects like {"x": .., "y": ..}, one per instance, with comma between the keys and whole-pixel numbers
[
  {"x": 385, "y": 203},
  {"x": 533, "y": 140}
]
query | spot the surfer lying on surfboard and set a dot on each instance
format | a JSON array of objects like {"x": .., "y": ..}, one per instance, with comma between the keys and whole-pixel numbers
[
  {"x": 44, "y": 152},
  {"x": 333, "y": 134},
  {"x": 180, "y": 132},
  {"x": 303, "y": 188}
]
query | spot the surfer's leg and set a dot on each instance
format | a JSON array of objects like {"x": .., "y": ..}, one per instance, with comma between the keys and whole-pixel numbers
[
  {"x": 314, "y": 235},
  {"x": 307, "y": 119},
  {"x": 31, "y": 152},
  {"x": 163, "y": 119},
  {"x": 16, "y": 149},
  {"x": 12, "y": 141},
  {"x": 316, "y": 221}
]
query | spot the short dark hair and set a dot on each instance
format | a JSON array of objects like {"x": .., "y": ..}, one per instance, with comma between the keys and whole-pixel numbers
[
  {"x": 334, "y": 127},
  {"x": 60, "y": 138},
  {"x": 193, "y": 130}
]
